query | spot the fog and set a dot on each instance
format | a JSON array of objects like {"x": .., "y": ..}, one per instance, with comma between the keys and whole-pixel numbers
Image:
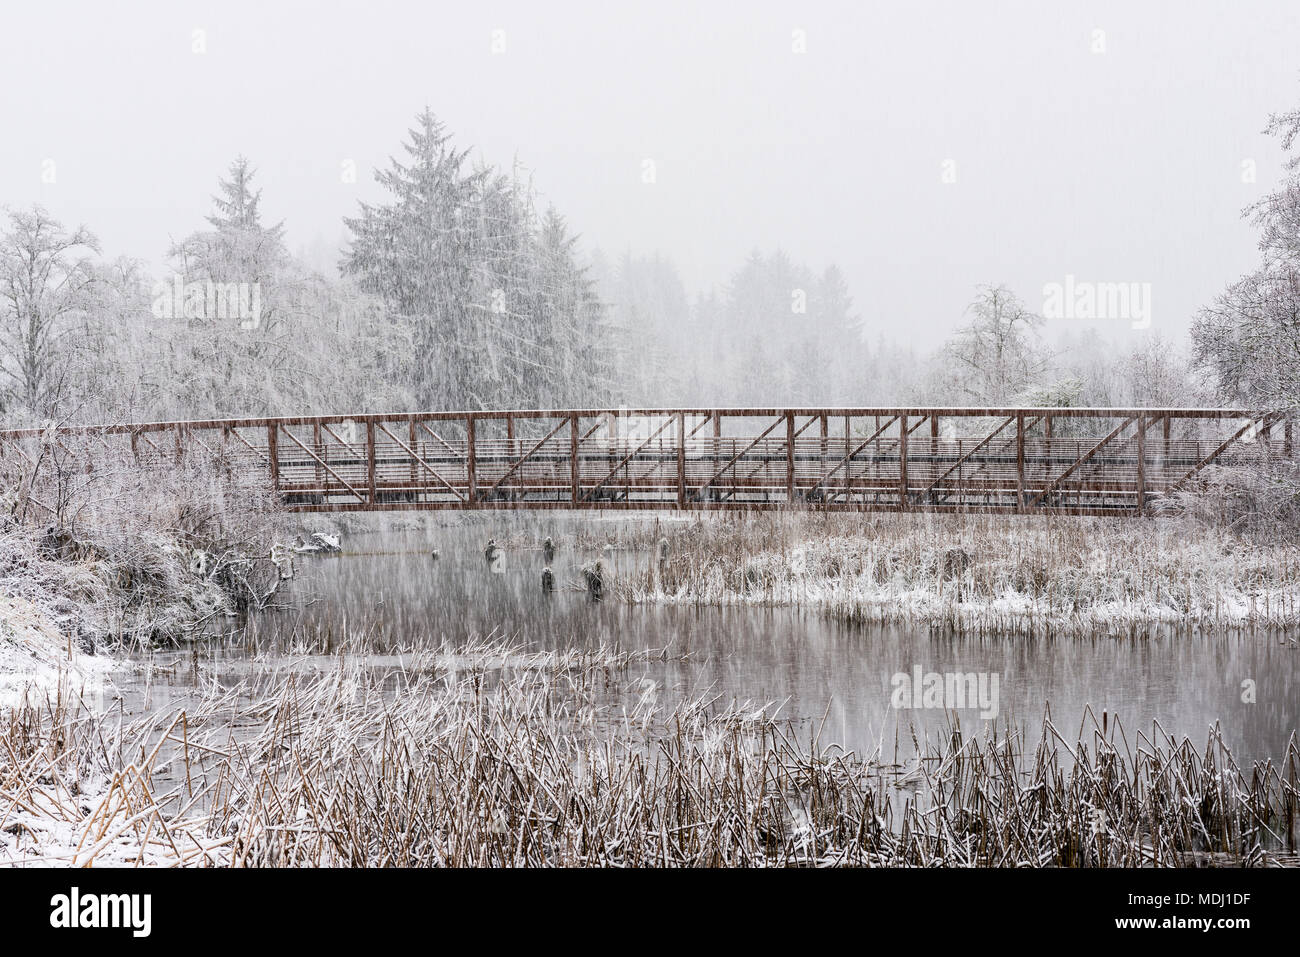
[{"x": 923, "y": 149}]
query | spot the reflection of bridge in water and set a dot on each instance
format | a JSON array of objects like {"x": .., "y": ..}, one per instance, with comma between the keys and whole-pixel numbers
[{"x": 1059, "y": 460}]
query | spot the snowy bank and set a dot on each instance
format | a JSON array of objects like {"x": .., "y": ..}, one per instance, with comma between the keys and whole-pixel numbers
[{"x": 38, "y": 659}]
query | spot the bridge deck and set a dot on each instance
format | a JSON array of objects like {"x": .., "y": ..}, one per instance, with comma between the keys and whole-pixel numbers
[{"x": 1079, "y": 461}]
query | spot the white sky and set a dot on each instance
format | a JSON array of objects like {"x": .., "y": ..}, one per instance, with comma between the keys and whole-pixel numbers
[{"x": 1121, "y": 166}]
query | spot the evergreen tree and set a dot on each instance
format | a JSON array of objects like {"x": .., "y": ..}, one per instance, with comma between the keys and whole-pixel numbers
[
  {"x": 500, "y": 311},
  {"x": 237, "y": 208},
  {"x": 235, "y": 355},
  {"x": 417, "y": 254}
]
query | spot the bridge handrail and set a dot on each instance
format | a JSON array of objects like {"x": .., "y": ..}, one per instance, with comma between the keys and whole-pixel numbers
[{"x": 723, "y": 411}]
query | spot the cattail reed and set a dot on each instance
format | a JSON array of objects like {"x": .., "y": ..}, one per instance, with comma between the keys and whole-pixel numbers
[{"x": 489, "y": 757}]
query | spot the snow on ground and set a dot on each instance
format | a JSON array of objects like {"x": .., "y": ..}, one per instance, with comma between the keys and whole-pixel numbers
[
  {"x": 35, "y": 657},
  {"x": 92, "y": 822}
]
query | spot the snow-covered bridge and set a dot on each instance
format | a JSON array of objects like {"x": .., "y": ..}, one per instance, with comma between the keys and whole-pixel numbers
[{"x": 1059, "y": 460}]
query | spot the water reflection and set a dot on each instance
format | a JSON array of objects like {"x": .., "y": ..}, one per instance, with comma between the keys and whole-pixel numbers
[{"x": 822, "y": 674}]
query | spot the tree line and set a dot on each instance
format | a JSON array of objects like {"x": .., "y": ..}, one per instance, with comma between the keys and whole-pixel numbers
[{"x": 460, "y": 291}]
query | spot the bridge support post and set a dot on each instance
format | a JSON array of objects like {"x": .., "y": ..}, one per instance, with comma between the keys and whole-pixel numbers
[
  {"x": 934, "y": 449},
  {"x": 848, "y": 463},
  {"x": 1142, "y": 465},
  {"x": 717, "y": 443},
  {"x": 414, "y": 442},
  {"x": 1020, "y": 461},
  {"x": 574, "y": 474},
  {"x": 471, "y": 464},
  {"x": 902, "y": 462},
  {"x": 273, "y": 455},
  {"x": 370, "y": 460},
  {"x": 789, "y": 458},
  {"x": 320, "y": 451},
  {"x": 1047, "y": 446},
  {"x": 681, "y": 460}
]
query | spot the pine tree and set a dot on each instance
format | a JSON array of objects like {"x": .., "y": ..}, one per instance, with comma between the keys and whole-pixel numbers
[
  {"x": 574, "y": 321},
  {"x": 238, "y": 209},
  {"x": 240, "y": 361},
  {"x": 418, "y": 254},
  {"x": 501, "y": 313}
]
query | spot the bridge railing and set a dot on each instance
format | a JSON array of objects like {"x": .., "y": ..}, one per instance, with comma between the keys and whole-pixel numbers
[{"x": 1073, "y": 460}]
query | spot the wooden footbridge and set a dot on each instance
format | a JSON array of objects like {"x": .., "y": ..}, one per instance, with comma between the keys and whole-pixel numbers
[{"x": 1057, "y": 460}]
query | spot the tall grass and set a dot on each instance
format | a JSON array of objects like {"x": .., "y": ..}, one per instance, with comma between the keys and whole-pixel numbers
[
  {"x": 985, "y": 574},
  {"x": 491, "y": 758}
]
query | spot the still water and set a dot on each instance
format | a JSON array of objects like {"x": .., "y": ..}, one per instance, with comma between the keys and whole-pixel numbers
[{"x": 817, "y": 673}]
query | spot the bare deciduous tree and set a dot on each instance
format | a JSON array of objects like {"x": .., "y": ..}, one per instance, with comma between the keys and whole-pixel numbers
[
  {"x": 1249, "y": 338},
  {"x": 998, "y": 357},
  {"x": 44, "y": 279}
]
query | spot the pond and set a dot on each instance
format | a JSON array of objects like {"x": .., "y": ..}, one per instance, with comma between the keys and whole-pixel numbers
[{"x": 818, "y": 673}]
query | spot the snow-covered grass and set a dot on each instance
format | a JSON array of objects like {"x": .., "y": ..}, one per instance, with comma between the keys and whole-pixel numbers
[
  {"x": 1006, "y": 574},
  {"x": 121, "y": 553},
  {"x": 129, "y": 586},
  {"x": 38, "y": 657},
  {"x": 490, "y": 758}
]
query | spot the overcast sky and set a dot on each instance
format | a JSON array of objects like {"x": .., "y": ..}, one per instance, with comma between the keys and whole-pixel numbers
[{"x": 1122, "y": 165}]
